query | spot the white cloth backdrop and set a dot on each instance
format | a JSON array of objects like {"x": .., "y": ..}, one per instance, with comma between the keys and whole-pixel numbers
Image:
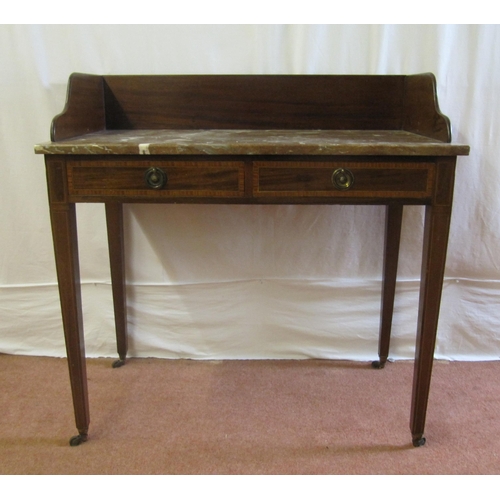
[{"x": 249, "y": 281}]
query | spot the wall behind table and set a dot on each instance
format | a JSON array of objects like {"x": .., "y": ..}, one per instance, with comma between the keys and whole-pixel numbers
[{"x": 249, "y": 282}]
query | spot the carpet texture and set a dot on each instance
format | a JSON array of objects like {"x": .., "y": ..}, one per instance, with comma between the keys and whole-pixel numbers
[{"x": 156, "y": 416}]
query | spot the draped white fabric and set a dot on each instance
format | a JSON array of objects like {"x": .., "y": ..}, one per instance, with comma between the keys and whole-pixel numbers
[{"x": 249, "y": 281}]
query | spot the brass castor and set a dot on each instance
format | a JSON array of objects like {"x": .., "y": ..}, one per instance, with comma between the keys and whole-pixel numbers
[
  {"x": 419, "y": 442},
  {"x": 78, "y": 440},
  {"x": 118, "y": 363}
]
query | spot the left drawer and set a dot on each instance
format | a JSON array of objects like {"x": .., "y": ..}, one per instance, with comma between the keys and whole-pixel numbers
[{"x": 155, "y": 178}]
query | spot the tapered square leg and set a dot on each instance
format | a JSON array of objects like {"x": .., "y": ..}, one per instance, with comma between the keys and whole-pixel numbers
[
  {"x": 63, "y": 219},
  {"x": 393, "y": 220},
  {"x": 114, "y": 222},
  {"x": 436, "y": 231}
]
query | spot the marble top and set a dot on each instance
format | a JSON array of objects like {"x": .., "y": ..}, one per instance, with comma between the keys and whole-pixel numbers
[{"x": 252, "y": 142}]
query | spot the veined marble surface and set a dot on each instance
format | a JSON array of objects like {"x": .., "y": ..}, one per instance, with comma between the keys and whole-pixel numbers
[{"x": 253, "y": 142}]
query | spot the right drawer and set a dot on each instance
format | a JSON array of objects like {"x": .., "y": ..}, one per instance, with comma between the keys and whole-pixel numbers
[{"x": 365, "y": 178}]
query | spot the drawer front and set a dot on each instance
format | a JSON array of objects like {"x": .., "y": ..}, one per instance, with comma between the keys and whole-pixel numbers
[
  {"x": 345, "y": 179},
  {"x": 156, "y": 179}
]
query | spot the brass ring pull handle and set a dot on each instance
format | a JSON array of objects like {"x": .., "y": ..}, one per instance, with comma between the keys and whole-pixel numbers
[
  {"x": 342, "y": 179},
  {"x": 155, "y": 178}
]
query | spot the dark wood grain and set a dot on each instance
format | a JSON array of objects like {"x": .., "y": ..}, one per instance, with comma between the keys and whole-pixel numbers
[
  {"x": 421, "y": 108},
  {"x": 391, "y": 168},
  {"x": 114, "y": 225},
  {"x": 184, "y": 178},
  {"x": 84, "y": 111},
  {"x": 436, "y": 231},
  {"x": 254, "y": 101},
  {"x": 64, "y": 232},
  {"x": 393, "y": 222},
  {"x": 371, "y": 178},
  {"x": 330, "y": 102}
]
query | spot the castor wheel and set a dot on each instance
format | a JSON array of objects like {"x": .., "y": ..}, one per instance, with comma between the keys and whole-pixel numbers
[
  {"x": 78, "y": 440},
  {"x": 118, "y": 363},
  {"x": 378, "y": 365},
  {"x": 419, "y": 442}
]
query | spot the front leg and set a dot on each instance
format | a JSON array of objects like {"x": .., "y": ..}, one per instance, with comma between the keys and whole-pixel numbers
[
  {"x": 63, "y": 219},
  {"x": 436, "y": 230},
  {"x": 437, "y": 222}
]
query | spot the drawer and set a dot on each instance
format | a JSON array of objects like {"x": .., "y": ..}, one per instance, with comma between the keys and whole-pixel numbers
[
  {"x": 387, "y": 179},
  {"x": 156, "y": 179}
]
